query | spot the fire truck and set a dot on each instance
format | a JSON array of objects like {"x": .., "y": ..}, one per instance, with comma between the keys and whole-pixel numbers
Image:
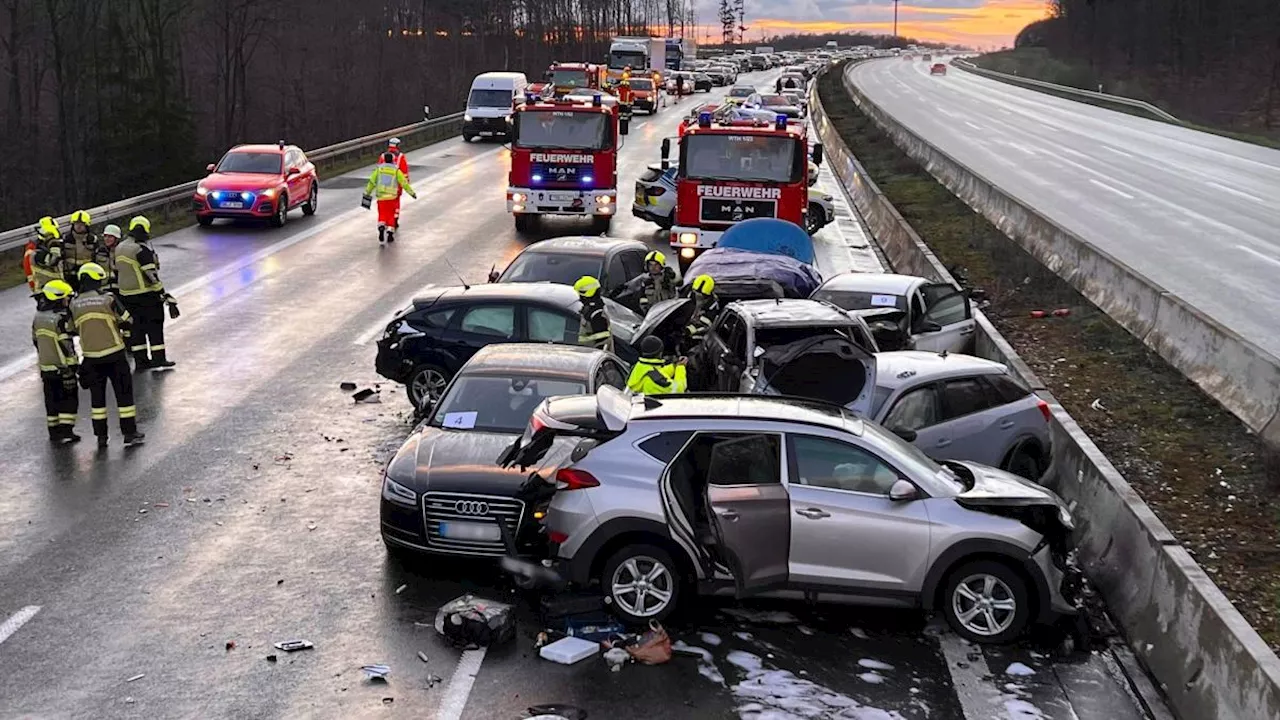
[
  {"x": 736, "y": 171},
  {"x": 564, "y": 158},
  {"x": 568, "y": 78}
]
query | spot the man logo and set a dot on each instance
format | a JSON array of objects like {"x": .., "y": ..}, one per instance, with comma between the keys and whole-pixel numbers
[{"x": 471, "y": 507}]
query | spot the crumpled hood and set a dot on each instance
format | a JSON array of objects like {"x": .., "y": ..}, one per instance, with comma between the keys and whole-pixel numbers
[
  {"x": 995, "y": 486},
  {"x": 435, "y": 459}
]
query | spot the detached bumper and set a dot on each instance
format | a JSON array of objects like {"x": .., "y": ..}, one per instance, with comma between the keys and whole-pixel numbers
[{"x": 591, "y": 203}]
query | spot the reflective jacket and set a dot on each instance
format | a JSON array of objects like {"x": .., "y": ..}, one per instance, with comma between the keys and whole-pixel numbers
[
  {"x": 651, "y": 376},
  {"x": 98, "y": 318},
  {"x": 705, "y": 311},
  {"x": 593, "y": 325},
  {"x": 137, "y": 268},
  {"x": 386, "y": 182},
  {"x": 46, "y": 263},
  {"x": 80, "y": 249},
  {"x": 54, "y": 349},
  {"x": 28, "y": 261}
]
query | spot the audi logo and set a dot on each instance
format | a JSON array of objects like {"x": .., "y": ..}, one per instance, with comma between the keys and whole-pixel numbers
[{"x": 471, "y": 507}]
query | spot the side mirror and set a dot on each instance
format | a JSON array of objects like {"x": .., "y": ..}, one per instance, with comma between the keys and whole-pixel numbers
[
  {"x": 817, "y": 154},
  {"x": 209, "y": 167},
  {"x": 666, "y": 153},
  {"x": 905, "y": 434},
  {"x": 293, "y": 171},
  {"x": 902, "y": 491}
]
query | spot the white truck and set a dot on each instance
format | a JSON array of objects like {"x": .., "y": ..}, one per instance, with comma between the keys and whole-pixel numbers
[
  {"x": 764, "y": 49},
  {"x": 642, "y": 54}
]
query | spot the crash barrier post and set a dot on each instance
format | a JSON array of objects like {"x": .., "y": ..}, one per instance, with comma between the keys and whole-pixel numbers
[
  {"x": 1209, "y": 661},
  {"x": 1087, "y": 95},
  {"x": 175, "y": 201}
]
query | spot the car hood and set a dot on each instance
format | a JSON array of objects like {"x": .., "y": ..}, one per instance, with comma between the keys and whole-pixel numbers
[
  {"x": 995, "y": 486},
  {"x": 240, "y": 181},
  {"x": 436, "y": 459}
]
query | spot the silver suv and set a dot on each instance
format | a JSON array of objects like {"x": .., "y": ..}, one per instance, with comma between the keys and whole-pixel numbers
[{"x": 752, "y": 495}]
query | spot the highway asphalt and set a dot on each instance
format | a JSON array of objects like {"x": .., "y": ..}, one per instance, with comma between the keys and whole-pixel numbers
[
  {"x": 1197, "y": 213},
  {"x": 151, "y": 582}
]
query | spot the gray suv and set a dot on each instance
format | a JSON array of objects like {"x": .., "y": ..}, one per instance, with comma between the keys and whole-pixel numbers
[{"x": 766, "y": 496}]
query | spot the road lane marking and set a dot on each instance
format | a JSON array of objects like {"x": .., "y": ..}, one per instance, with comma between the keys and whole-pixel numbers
[
  {"x": 17, "y": 620},
  {"x": 1105, "y": 186},
  {"x": 979, "y": 699},
  {"x": 1234, "y": 191},
  {"x": 1108, "y": 148},
  {"x": 464, "y": 677},
  {"x": 975, "y": 127},
  {"x": 1259, "y": 255}
]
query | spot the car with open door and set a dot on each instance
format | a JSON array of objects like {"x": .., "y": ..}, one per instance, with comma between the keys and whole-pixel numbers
[
  {"x": 749, "y": 496},
  {"x": 905, "y": 312}
]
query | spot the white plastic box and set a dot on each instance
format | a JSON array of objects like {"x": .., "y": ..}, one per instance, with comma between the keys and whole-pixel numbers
[{"x": 568, "y": 651}]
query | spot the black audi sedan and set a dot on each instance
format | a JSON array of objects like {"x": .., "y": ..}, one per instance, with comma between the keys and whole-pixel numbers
[
  {"x": 429, "y": 341},
  {"x": 563, "y": 260},
  {"x": 442, "y": 492}
]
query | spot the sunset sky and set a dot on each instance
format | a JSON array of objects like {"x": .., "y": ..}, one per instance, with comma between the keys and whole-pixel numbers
[{"x": 978, "y": 23}]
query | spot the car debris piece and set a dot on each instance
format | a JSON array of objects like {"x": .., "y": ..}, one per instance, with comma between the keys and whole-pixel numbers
[
  {"x": 422, "y": 656},
  {"x": 616, "y": 657},
  {"x": 376, "y": 673},
  {"x": 569, "y": 650},
  {"x": 654, "y": 647},
  {"x": 366, "y": 396},
  {"x": 272, "y": 658},
  {"x": 294, "y": 645},
  {"x": 471, "y": 621},
  {"x": 556, "y": 711},
  {"x": 595, "y": 632},
  {"x": 402, "y": 588},
  {"x": 388, "y": 700},
  {"x": 231, "y": 645},
  {"x": 139, "y": 676},
  {"x": 433, "y": 680}
]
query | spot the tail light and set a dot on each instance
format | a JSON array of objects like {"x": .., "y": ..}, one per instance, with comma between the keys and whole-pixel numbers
[
  {"x": 1044, "y": 410},
  {"x": 556, "y": 537},
  {"x": 576, "y": 479}
]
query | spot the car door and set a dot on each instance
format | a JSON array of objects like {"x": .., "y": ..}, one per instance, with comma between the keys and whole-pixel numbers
[
  {"x": 615, "y": 274},
  {"x": 721, "y": 357},
  {"x": 296, "y": 182},
  {"x": 547, "y": 325},
  {"x": 479, "y": 325},
  {"x": 846, "y": 533},
  {"x": 919, "y": 409},
  {"x": 947, "y": 323},
  {"x": 970, "y": 429},
  {"x": 609, "y": 373}
]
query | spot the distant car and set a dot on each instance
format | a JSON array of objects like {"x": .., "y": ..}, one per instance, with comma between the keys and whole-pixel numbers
[
  {"x": 793, "y": 81},
  {"x": 565, "y": 259},
  {"x": 680, "y": 82},
  {"x": 655, "y": 199},
  {"x": 781, "y": 105},
  {"x": 798, "y": 100},
  {"x": 426, "y": 344},
  {"x": 702, "y": 82},
  {"x": 904, "y": 311},
  {"x": 938, "y": 69},
  {"x": 441, "y": 493},
  {"x": 645, "y": 96},
  {"x": 260, "y": 182},
  {"x": 927, "y": 57},
  {"x": 739, "y": 94}
]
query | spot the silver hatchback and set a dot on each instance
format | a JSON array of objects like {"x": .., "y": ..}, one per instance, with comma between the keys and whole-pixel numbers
[{"x": 753, "y": 496}]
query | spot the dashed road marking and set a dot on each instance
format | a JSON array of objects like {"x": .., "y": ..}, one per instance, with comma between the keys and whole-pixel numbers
[
  {"x": 1105, "y": 186},
  {"x": 1262, "y": 256},
  {"x": 979, "y": 699},
  {"x": 464, "y": 677},
  {"x": 17, "y": 620}
]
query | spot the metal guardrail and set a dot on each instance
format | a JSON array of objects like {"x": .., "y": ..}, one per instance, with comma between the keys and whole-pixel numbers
[
  {"x": 17, "y": 237},
  {"x": 1067, "y": 90}
]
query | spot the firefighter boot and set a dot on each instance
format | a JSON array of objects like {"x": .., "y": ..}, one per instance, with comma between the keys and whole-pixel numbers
[
  {"x": 159, "y": 359},
  {"x": 134, "y": 438},
  {"x": 382, "y": 233},
  {"x": 391, "y": 235}
]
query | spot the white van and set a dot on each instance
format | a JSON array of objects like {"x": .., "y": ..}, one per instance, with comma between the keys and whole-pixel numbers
[{"x": 493, "y": 96}]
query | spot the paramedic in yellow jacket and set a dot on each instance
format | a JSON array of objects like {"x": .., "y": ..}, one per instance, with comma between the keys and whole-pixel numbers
[{"x": 653, "y": 375}]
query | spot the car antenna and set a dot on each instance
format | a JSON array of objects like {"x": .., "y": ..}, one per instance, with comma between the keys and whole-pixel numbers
[{"x": 465, "y": 286}]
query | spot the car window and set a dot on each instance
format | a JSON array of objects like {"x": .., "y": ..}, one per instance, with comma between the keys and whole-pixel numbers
[
  {"x": 965, "y": 396},
  {"x": 917, "y": 305},
  {"x": 915, "y": 410},
  {"x": 1007, "y": 388},
  {"x": 664, "y": 446},
  {"x": 497, "y": 404},
  {"x": 948, "y": 310},
  {"x": 610, "y": 373},
  {"x": 432, "y": 320},
  {"x": 729, "y": 322},
  {"x": 490, "y": 320},
  {"x": 743, "y": 459},
  {"x": 632, "y": 264},
  {"x": 823, "y": 462},
  {"x": 551, "y": 326},
  {"x": 251, "y": 162},
  {"x": 561, "y": 268},
  {"x": 615, "y": 272}
]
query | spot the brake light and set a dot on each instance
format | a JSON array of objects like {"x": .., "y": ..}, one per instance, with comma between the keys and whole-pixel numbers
[
  {"x": 535, "y": 425},
  {"x": 1044, "y": 410},
  {"x": 576, "y": 479},
  {"x": 558, "y": 538}
]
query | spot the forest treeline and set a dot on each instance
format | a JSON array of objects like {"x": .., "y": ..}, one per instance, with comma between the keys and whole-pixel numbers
[
  {"x": 1215, "y": 62},
  {"x": 105, "y": 99}
]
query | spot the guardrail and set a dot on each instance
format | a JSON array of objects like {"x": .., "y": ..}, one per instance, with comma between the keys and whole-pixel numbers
[
  {"x": 177, "y": 199},
  {"x": 1067, "y": 90},
  {"x": 1206, "y": 657}
]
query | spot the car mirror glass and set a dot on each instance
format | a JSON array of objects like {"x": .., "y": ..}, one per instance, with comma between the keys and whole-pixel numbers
[
  {"x": 209, "y": 167},
  {"x": 903, "y": 491}
]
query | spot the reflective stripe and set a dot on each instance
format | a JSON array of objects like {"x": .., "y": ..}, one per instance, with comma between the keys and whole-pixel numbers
[
  {"x": 593, "y": 337},
  {"x": 157, "y": 347},
  {"x": 67, "y": 417},
  {"x": 138, "y": 348},
  {"x": 129, "y": 411},
  {"x": 51, "y": 420},
  {"x": 98, "y": 413}
]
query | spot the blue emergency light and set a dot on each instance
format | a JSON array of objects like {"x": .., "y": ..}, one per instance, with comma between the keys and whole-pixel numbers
[
  {"x": 704, "y": 119},
  {"x": 530, "y": 97},
  {"x": 587, "y": 179},
  {"x": 782, "y": 122},
  {"x": 536, "y": 178},
  {"x": 595, "y": 100}
]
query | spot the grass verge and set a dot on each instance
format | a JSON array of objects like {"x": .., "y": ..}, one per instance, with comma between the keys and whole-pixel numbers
[{"x": 1203, "y": 472}]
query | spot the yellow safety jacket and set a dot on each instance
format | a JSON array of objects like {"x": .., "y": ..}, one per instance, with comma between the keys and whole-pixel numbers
[
  {"x": 386, "y": 181},
  {"x": 98, "y": 317},
  {"x": 137, "y": 268},
  {"x": 80, "y": 249},
  {"x": 54, "y": 349},
  {"x": 651, "y": 376}
]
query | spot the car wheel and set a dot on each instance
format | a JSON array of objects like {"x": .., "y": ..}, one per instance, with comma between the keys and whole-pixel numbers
[
  {"x": 601, "y": 225},
  {"x": 986, "y": 602},
  {"x": 1023, "y": 462},
  {"x": 467, "y": 137},
  {"x": 282, "y": 212},
  {"x": 313, "y": 200},
  {"x": 524, "y": 223},
  {"x": 204, "y": 221},
  {"x": 642, "y": 583},
  {"x": 425, "y": 385}
]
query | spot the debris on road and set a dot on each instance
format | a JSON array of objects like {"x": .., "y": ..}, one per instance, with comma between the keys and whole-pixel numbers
[
  {"x": 388, "y": 700},
  {"x": 231, "y": 645},
  {"x": 347, "y": 386},
  {"x": 139, "y": 676},
  {"x": 272, "y": 658},
  {"x": 160, "y": 504},
  {"x": 556, "y": 711},
  {"x": 433, "y": 680},
  {"x": 294, "y": 645},
  {"x": 569, "y": 650},
  {"x": 616, "y": 657},
  {"x": 859, "y": 633},
  {"x": 1097, "y": 405},
  {"x": 402, "y": 588},
  {"x": 1018, "y": 669},
  {"x": 422, "y": 656},
  {"x": 376, "y": 673},
  {"x": 654, "y": 647},
  {"x": 471, "y": 621},
  {"x": 311, "y": 526},
  {"x": 595, "y": 632},
  {"x": 284, "y": 459},
  {"x": 366, "y": 396},
  {"x": 762, "y": 617}
]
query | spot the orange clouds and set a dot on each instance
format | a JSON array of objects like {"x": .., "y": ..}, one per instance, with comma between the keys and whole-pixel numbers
[{"x": 994, "y": 24}]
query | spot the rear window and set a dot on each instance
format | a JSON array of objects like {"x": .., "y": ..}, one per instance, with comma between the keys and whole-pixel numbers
[
  {"x": 551, "y": 267},
  {"x": 768, "y": 337},
  {"x": 851, "y": 300},
  {"x": 1007, "y": 388},
  {"x": 663, "y": 447},
  {"x": 498, "y": 404}
]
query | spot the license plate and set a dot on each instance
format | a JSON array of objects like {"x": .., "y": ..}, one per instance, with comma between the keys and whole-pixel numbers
[
  {"x": 560, "y": 197},
  {"x": 470, "y": 531},
  {"x": 486, "y": 133},
  {"x": 233, "y": 205}
]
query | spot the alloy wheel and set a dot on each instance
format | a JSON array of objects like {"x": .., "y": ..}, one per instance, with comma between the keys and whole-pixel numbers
[
  {"x": 984, "y": 604},
  {"x": 642, "y": 586}
]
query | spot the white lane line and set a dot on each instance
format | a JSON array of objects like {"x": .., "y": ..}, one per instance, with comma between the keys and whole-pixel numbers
[
  {"x": 464, "y": 676},
  {"x": 1110, "y": 149},
  {"x": 979, "y": 699},
  {"x": 1262, "y": 256},
  {"x": 1240, "y": 193},
  {"x": 975, "y": 127},
  {"x": 946, "y": 112},
  {"x": 1105, "y": 186},
  {"x": 17, "y": 620}
]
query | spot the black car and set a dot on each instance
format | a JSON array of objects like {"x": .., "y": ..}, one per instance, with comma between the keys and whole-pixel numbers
[
  {"x": 563, "y": 260},
  {"x": 429, "y": 341},
  {"x": 442, "y": 492},
  {"x": 702, "y": 82}
]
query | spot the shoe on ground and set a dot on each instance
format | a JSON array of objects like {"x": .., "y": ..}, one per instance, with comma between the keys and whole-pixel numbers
[
  {"x": 102, "y": 441},
  {"x": 134, "y": 439},
  {"x": 162, "y": 365},
  {"x": 70, "y": 437}
]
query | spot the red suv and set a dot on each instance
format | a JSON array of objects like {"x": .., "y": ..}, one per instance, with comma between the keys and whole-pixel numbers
[
  {"x": 938, "y": 69},
  {"x": 257, "y": 182}
]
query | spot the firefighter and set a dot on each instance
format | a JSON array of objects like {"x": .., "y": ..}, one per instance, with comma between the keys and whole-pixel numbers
[
  {"x": 106, "y": 256},
  {"x": 402, "y": 162},
  {"x": 46, "y": 257},
  {"x": 593, "y": 321},
  {"x": 624, "y": 86},
  {"x": 386, "y": 183},
  {"x": 56, "y": 356},
  {"x": 102, "y": 322},
  {"x": 79, "y": 247},
  {"x": 706, "y": 308},
  {"x": 139, "y": 287},
  {"x": 653, "y": 375},
  {"x": 655, "y": 284}
]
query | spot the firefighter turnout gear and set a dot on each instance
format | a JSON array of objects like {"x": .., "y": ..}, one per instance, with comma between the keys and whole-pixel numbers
[
  {"x": 706, "y": 308},
  {"x": 653, "y": 375},
  {"x": 80, "y": 246},
  {"x": 101, "y": 320},
  {"x": 386, "y": 182},
  {"x": 56, "y": 358},
  {"x": 46, "y": 257},
  {"x": 593, "y": 320},
  {"x": 142, "y": 292},
  {"x": 655, "y": 284}
]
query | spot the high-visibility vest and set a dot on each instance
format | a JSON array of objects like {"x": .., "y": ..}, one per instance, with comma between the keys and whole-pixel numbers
[
  {"x": 97, "y": 319},
  {"x": 651, "y": 376},
  {"x": 386, "y": 181},
  {"x": 80, "y": 249},
  {"x": 54, "y": 350},
  {"x": 137, "y": 269}
]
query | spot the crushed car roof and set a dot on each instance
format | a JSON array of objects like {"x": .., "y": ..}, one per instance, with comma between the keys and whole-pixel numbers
[{"x": 791, "y": 312}]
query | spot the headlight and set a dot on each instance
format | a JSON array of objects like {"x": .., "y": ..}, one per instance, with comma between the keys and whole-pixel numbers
[
  {"x": 604, "y": 199},
  {"x": 394, "y": 492},
  {"x": 466, "y": 116},
  {"x": 518, "y": 197},
  {"x": 688, "y": 238},
  {"x": 202, "y": 190},
  {"x": 269, "y": 193}
]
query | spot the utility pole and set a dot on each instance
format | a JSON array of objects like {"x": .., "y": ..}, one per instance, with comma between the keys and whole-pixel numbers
[{"x": 895, "y": 18}]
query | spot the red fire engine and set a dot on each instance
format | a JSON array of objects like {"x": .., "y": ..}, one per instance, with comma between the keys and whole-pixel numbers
[
  {"x": 564, "y": 159},
  {"x": 565, "y": 78},
  {"x": 737, "y": 171}
]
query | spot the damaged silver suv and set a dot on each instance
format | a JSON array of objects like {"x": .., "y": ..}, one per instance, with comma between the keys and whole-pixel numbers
[{"x": 753, "y": 495}]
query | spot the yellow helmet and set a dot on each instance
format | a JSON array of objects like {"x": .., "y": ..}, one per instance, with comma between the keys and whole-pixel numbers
[
  {"x": 704, "y": 284},
  {"x": 93, "y": 271},
  {"x": 140, "y": 221},
  {"x": 57, "y": 290},
  {"x": 48, "y": 228},
  {"x": 655, "y": 256},
  {"x": 587, "y": 286},
  {"x": 80, "y": 216}
]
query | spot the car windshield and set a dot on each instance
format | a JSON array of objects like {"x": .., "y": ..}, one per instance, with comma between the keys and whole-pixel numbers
[
  {"x": 497, "y": 404},
  {"x": 764, "y": 158},
  {"x": 562, "y": 129},
  {"x": 489, "y": 99},
  {"x": 559, "y": 268},
  {"x": 642, "y": 84},
  {"x": 910, "y": 458},
  {"x": 569, "y": 78},
  {"x": 775, "y": 100},
  {"x": 741, "y": 92},
  {"x": 619, "y": 59},
  {"x": 251, "y": 162},
  {"x": 855, "y": 300}
]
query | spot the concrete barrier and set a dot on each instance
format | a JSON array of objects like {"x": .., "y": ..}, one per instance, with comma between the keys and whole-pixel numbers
[{"x": 1208, "y": 660}]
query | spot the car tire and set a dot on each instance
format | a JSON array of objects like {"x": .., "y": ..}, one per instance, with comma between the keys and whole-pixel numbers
[
  {"x": 634, "y": 607},
  {"x": 1024, "y": 463},
  {"x": 425, "y": 379},
  {"x": 204, "y": 221},
  {"x": 313, "y": 200},
  {"x": 282, "y": 212},
  {"x": 467, "y": 137},
  {"x": 601, "y": 225},
  {"x": 986, "y": 622},
  {"x": 524, "y": 223}
]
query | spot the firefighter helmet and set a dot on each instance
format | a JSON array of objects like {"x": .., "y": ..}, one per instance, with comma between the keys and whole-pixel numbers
[
  {"x": 587, "y": 286},
  {"x": 140, "y": 221},
  {"x": 93, "y": 271},
  {"x": 80, "y": 216},
  {"x": 704, "y": 284},
  {"x": 57, "y": 290},
  {"x": 655, "y": 256},
  {"x": 111, "y": 230},
  {"x": 48, "y": 228}
]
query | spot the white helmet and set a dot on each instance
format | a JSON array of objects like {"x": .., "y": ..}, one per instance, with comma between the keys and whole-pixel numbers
[{"x": 394, "y": 142}]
